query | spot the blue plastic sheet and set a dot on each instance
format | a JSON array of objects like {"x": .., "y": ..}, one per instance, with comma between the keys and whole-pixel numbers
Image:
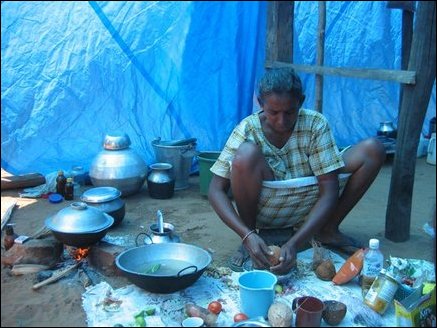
[{"x": 73, "y": 72}]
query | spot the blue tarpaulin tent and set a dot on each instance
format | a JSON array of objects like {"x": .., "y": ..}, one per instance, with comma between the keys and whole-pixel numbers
[{"x": 72, "y": 72}]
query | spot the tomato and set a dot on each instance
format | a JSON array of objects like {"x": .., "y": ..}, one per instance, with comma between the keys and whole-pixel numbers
[
  {"x": 240, "y": 317},
  {"x": 215, "y": 307}
]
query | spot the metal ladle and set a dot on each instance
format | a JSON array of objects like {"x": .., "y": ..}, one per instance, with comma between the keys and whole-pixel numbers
[{"x": 160, "y": 221}]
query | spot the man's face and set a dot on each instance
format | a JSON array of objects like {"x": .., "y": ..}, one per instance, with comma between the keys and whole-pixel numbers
[{"x": 281, "y": 111}]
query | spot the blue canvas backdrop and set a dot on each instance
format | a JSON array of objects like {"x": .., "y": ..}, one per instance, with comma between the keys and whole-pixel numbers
[{"x": 73, "y": 72}]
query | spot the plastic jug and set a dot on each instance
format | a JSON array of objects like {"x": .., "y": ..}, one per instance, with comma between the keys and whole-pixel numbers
[
  {"x": 257, "y": 291},
  {"x": 431, "y": 150}
]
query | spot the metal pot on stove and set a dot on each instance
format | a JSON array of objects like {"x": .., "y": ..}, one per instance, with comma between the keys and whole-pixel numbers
[{"x": 79, "y": 225}]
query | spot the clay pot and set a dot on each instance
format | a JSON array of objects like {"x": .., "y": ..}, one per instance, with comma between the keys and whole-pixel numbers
[{"x": 334, "y": 312}]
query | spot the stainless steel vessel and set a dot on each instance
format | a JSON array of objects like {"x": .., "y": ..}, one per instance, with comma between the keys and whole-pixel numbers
[{"x": 118, "y": 166}]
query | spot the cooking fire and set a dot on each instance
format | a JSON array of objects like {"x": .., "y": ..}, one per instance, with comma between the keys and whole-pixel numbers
[{"x": 78, "y": 253}]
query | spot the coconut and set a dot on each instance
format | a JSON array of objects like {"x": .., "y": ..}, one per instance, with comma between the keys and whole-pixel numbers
[
  {"x": 326, "y": 270},
  {"x": 279, "y": 315},
  {"x": 274, "y": 259}
]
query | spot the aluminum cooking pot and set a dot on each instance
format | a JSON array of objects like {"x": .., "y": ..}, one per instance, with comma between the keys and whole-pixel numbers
[
  {"x": 79, "y": 225},
  {"x": 163, "y": 268},
  {"x": 108, "y": 200},
  {"x": 118, "y": 166}
]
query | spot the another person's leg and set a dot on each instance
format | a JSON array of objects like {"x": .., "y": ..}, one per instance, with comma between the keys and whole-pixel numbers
[
  {"x": 249, "y": 169},
  {"x": 364, "y": 162}
]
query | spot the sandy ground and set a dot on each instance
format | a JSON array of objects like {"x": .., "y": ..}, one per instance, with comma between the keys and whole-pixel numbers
[{"x": 60, "y": 304}]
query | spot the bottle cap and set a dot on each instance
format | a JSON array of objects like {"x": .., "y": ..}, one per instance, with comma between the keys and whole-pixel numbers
[
  {"x": 373, "y": 243},
  {"x": 60, "y": 172},
  {"x": 55, "y": 198},
  {"x": 69, "y": 179}
]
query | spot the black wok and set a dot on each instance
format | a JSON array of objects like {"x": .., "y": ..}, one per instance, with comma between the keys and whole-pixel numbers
[
  {"x": 163, "y": 268},
  {"x": 80, "y": 239},
  {"x": 79, "y": 225}
]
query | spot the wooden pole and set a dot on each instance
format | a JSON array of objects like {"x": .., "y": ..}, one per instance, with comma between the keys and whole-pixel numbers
[
  {"x": 414, "y": 105},
  {"x": 320, "y": 56},
  {"x": 407, "y": 37},
  {"x": 279, "y": 40}
]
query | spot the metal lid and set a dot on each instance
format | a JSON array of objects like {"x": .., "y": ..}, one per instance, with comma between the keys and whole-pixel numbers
[
  {"x": 79, "y": 218},
  {"x": 116, "y": 142},
  {"x": 100, "y": 194}
]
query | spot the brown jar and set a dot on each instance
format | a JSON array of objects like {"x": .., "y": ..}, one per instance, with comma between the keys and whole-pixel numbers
[
  {"x": 61, "y": 180},
  {"x": 69, "y": 189},
  {"x": 10, "y": 236}
]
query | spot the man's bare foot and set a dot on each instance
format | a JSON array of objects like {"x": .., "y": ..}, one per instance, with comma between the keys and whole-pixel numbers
[
  {"x": 337, "y": 240},
  {"x": 238, "y": 259}
]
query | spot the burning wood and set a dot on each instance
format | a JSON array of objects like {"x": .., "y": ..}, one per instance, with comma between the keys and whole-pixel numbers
[
  {"x": 56, "y": 276},
  {"x": 80, "y": 253}
]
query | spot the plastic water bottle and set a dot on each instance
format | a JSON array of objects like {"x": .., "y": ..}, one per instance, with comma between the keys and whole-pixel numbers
[{"x": 372, "y": 264}]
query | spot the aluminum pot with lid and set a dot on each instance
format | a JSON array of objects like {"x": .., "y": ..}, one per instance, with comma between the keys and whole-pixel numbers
[
  {"x": 108, "y": 200},
  {"x": 118, "y": 166},
  {"x": 79, "y": 225},
  {"x": 387, "y": 129}
]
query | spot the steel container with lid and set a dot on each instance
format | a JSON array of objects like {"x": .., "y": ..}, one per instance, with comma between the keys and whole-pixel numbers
[
  {"x": 79, "y": 225},
  {"x": 118, "y": 166},
  {"x": 387, "y": 129},
  {"x": 108, "y": 200}
]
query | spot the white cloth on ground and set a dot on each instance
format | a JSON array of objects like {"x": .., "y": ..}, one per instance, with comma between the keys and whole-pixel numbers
[{"x": 38, "y": 191}]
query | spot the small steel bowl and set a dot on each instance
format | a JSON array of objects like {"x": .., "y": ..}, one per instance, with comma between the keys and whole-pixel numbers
[{"x": 116, "y": 142}]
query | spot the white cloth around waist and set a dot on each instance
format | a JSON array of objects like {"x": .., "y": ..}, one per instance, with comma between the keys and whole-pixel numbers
[{"x": 298, "y": 182}]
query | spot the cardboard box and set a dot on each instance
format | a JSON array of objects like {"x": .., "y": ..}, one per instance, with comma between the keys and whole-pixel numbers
[{"x": 417, "y": 310}]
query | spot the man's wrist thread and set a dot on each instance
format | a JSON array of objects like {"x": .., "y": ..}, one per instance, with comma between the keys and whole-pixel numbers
[{"x": 247, "y": 235}]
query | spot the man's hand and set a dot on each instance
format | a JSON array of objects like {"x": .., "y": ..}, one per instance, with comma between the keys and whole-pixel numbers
[
  {"x": 287, "y": 260},
  {"x": 258, "y": 251}
]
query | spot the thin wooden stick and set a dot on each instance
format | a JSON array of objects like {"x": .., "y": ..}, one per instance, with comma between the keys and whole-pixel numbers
[
  {"x": 20, "y": 269},
  {"x": 42, "y": 231},
  {"x": 56, "y": 276}
]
